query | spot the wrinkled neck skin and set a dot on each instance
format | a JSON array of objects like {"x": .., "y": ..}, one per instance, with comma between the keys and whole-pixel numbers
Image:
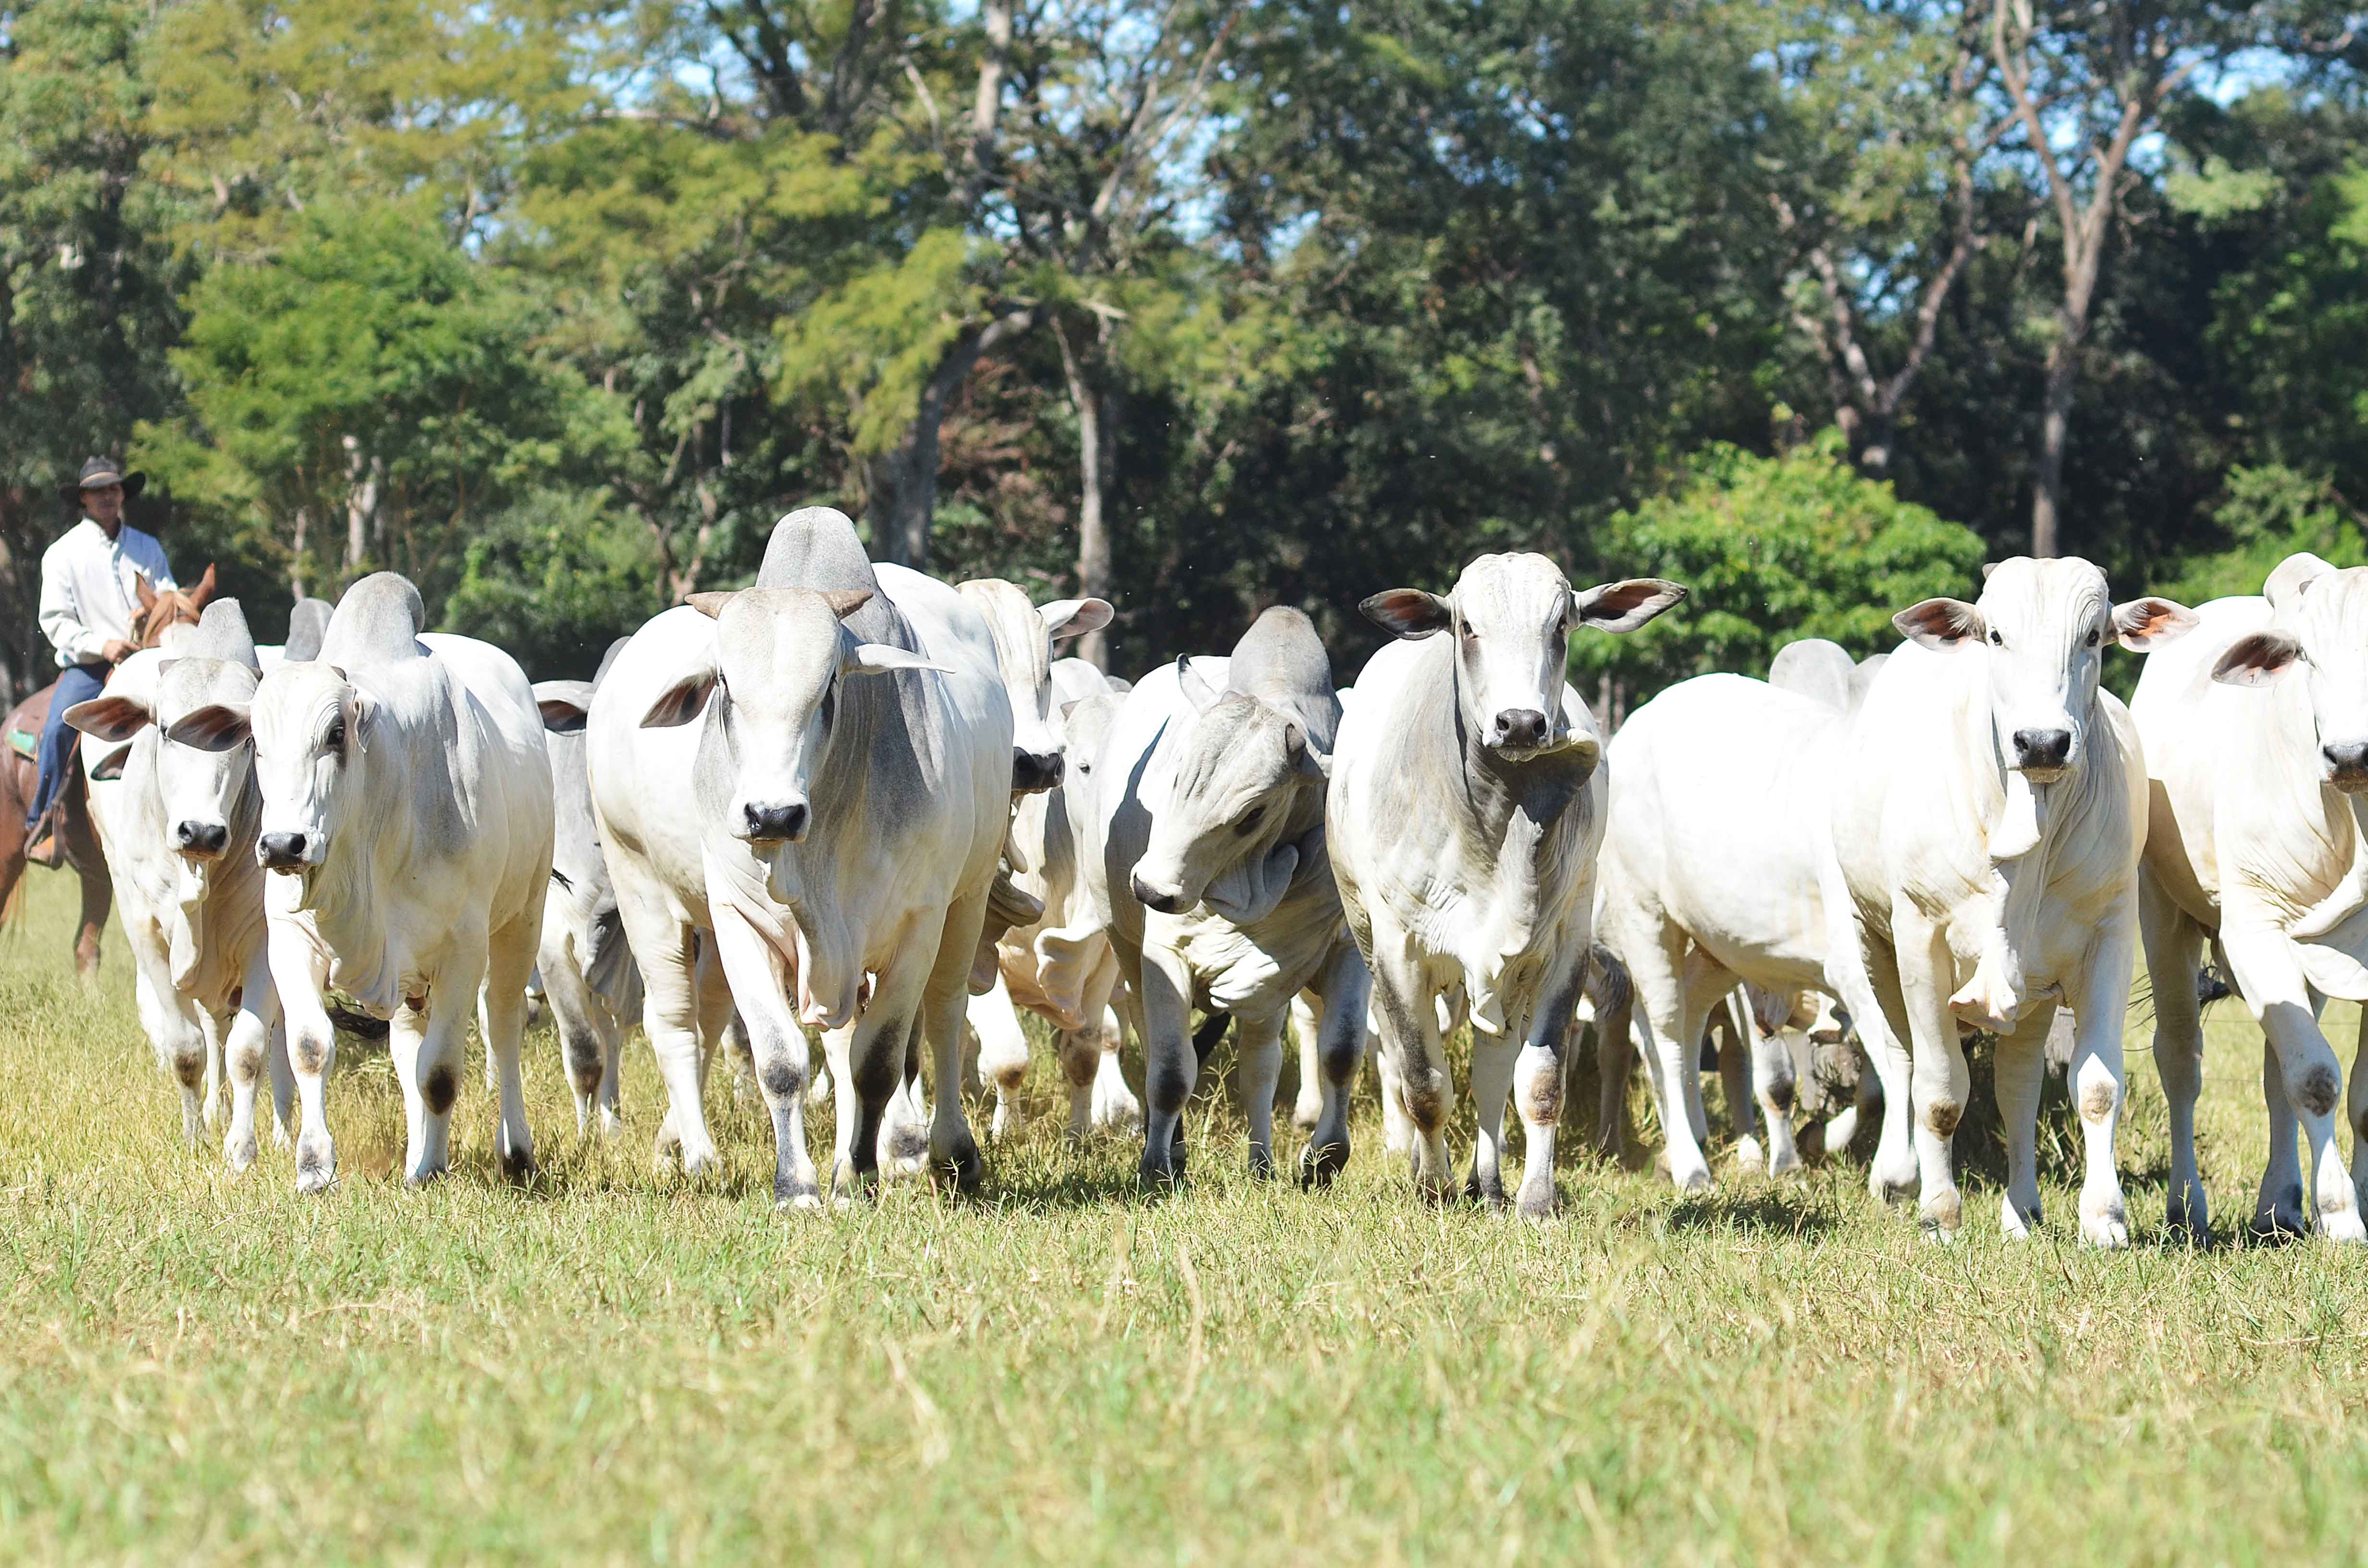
[
  {"x": 2032, "y": 833},
  {"x": 1240, "y": 877},
  {"x": 1519, "y": 805},
  {"x": 797, "y": 895}
]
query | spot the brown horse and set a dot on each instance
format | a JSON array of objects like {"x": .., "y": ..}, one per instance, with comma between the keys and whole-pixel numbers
[{"x": 20, "y": 778}]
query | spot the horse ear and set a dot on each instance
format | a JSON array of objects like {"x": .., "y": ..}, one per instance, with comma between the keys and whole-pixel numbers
[
  {"x": 147, "y": 594},
  {"x": 204, "y": 592}
]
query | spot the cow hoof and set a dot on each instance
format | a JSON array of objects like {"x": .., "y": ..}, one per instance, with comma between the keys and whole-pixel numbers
[
  {"x": 1261, "y": 1163},
  {"x": 963, "y": 1164},
  {"x": 519, "y": 1168},
  {"x": 427, "y": 1177},
  {"x": 2342, "y": 1226},
  {"x": 1942, "y": 1215},
  {"x": 1693, "y": 1183},
  {"x": 1893, "y": 1190},
  {"x": 317, "y": 1168},
  {"x": 239, "y": 1154},
  {"x": 1749, "y": 1156},
  {"x": 2017, "y": 1221},
  {"x": 1490, "y": 1194},
  {"x": 2190, "y": 1216},
  {"x": 1537, "y": 1200},
  {"x": 1318, "y": 1163},
  {"x": 2108, "y": 1231},
  {"x": 610, "y": 1126},
  {"x": 798, "y": 1194}
]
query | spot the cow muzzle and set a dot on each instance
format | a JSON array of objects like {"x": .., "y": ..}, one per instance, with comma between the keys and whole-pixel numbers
[
  {"x": 2346, "y": 765},
  {"x": 1162, "y": 899},
  {"x": 200, "y": 840},
  {"x": 1035, "y": 771},
  {"x": 1519, "y": 732},
  {"x": 2042, "y": 755},
  {"x": 285, "y": 851},
  {"x": 783, "y": 822}
]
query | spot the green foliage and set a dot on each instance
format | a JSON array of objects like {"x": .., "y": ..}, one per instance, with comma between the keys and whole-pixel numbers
[
  {"x": 1773, "y": 549},
  {"x": 553, "y": 579},
  {"x": 2270, "y": 513}
]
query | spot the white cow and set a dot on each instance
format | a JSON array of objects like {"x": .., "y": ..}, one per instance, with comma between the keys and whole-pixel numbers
[
  {"x": 408, "y": 818},
  {"x": 586, "y": 967},
  {"x": 1208, "y": 848},
  {"x": 1986, "y": 823},
  {"x": 2256, "y": 731},
  {"x": 1713, "y": 867},
  {"x": 786, "y": 773},
  {"x": 1060, "y": 967},
  {"x": 176, "y": 808},
  {"x": 1467, "y": 810}
]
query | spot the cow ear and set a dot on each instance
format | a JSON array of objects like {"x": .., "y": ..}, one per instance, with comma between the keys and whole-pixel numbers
[
  {"x": 1408, "y": 612},
  {"x": 845, "y": 602},
  {"x": 1069, "y": 708},
  {"x": 1988, "y": 567},
  {"x": 110, "y": 717},
  {"x": 2257, "y": 659},
  {"x": 1075, "y": 618},
  {"x": 1624, "y": 606},
  {"x": 218, "y": 726},
  {"x": 111, "y": 766},
  {"x": 1941, "y": 624},
  {"x": 683, "y": 700},
  {"x": 563, "y": 704},
  {"x": 362, "y": 718},
  {"x": 1196, "y": 691},
  {"x": 2144, "y": 625},
  {"x": 880, "y": 659},
  {"x": 710, "y": 604},
  {"x": 1304, "y": 759}
]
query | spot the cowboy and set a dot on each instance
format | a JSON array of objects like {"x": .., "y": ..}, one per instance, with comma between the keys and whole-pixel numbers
[{"x": 89, "y": 599}]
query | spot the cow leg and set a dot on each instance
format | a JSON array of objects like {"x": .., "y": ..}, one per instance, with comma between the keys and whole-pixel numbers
[
  {"x": 1941, "y": 1083},
  {"x": 1345, "y": 988},
  {"x": 1735, "y": 1080},
  {"x": 2018, "y": 1071},
  {"x": 1002, "y": 1056},
  {"x": 1412, "y": 1057},
  {"x": 1772, "y": 1086},
  {"x": 1170, "y": 1065},
  {"x": 2278, "y": 1208},
  {"x": 2273, "y": 986},
  {"x": 1538, "y": 1082},
  {"x": 1895, "y": 1174},
  {"x": 576, "y": 1012},
  {"x": 952, "y": 1149},
  {"x": 672, "y": 1019},
  {"x": 302, "y": 974},
  {"x": 2174, "y": 950},
  {"x": 1258, "y": 1043},
  {"x": 1308, "y": 1106},
  {"x": 251, "y": 1047},
  {"x": 2097, "y": 1075},
  {"x": 283, "y": 1085},
  {"x": 501, "y": 1013},
  {"x": 1615, "y": 1056},
  {"x": 777, "y": 1045},
  {"x": 1866, "y": 1096},
  {"x": 430, "y": 1059}
]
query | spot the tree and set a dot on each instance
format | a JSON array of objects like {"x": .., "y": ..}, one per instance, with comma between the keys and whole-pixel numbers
[
  {"x": 358, "y": 401},
  {"x": 1773, "y": 549},
  {"x": 88, "y": 283},
  {"x": 2087, "y": 84}
]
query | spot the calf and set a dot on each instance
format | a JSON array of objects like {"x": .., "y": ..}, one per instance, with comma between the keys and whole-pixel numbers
[
  {"x": 1466, "y": 812},
  {"x": 177, "y": 809},
  {"x": 406, "y": 819},
  {"x": 2256, "y": 731},
  {"x": 588, "y": 974},
  {"x": 1988, "y": 817},
  {"x": 1208, "y": 848},
  {"x": 786, "y": 773}
]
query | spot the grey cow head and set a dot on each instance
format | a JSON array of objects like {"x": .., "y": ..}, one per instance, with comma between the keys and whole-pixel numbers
[
  {"x": 205, "y": 766},
  {"x": 1248, "y": 783},
  {"x": 2041, "y": 627},
  {"x": 768, "y": 695},
  {"x": 1024, "y": 635},
  {"x": 313, "y": 730},
  {"x": 2319, "y": 620},
  {"x": 1511, "y": 617}
]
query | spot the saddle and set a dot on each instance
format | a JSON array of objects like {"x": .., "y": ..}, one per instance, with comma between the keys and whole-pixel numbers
[{"x": 21, "y": 761}]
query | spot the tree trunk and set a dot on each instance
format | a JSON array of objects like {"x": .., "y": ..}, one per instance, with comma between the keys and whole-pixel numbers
[
  {"x": 361, "y": 505},
  {"x": 2047, "y": 482},
  {"x": 1097, "y": 447},
  {"x": 296, "y": 554},
  {"x": 904, "y": 478}
]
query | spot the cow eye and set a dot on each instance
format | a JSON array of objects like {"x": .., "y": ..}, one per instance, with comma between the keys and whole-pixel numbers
[
  {"x": 335, "y": 739},
  {"x": 1996, "y": 641},
  {"x": 1250, "y": 820},
  {"x": 2092, "y": 637}
]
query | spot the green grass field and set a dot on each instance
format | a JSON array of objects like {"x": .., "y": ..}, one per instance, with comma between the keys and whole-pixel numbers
[{"x": 615, "y": 1366}]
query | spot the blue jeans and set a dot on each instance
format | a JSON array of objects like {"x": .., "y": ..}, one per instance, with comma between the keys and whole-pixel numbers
[{"x": 77, "y": 683}]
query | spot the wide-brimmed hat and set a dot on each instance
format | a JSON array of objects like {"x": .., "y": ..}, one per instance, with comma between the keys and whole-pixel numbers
[{"x": 99, "y": 473}]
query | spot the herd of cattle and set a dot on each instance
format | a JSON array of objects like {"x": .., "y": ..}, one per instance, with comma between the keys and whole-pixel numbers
[{"x": 854, "y": 801}]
